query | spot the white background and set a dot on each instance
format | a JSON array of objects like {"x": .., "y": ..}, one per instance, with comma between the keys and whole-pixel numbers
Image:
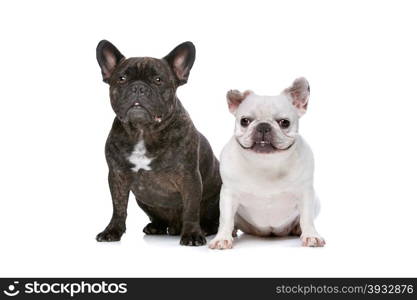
[{"x": 359, "y": 56}]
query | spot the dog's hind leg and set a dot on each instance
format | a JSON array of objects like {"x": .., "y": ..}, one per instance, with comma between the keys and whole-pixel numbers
[
  {"x": 155, "y": 228},
  {"x": 210, "y": 229},
  {"x": 296, "y": 231}
]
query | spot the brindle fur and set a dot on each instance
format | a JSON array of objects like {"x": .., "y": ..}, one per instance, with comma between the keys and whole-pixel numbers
[{"x": 180, "y": 192}]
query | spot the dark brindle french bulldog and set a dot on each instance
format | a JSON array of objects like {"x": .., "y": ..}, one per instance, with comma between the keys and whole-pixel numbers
[{"x": 155, "y": 151}]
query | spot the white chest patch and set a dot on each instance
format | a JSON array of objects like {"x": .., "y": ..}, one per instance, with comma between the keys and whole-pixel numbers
[{"x": 138, "y": 157}]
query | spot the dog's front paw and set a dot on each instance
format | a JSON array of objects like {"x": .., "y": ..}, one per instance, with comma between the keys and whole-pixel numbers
[
  {"x": 193, "y": 239},
  {"x": 312, "y": 241},
  {"x": 221, "y": 243},
  {"x": 110, "y": 235}
]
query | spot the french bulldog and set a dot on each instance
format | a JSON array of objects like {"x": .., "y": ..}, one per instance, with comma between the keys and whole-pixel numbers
[
  {"x": 267, "y": 169},
  {"x": 153, "y": 149}
]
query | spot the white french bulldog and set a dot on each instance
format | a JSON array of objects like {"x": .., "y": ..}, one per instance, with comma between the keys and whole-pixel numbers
[{"x": 267, "y": 169}]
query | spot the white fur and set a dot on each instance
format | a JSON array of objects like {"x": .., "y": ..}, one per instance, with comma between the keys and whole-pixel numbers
[
  {"x": 138, "y": 157},
  {"x": 263, "y": 194}
]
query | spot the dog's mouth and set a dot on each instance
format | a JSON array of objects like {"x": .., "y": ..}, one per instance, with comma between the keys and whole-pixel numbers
[
  {"x": 264, "y": 147},
  {"x": 136, "y": 107}
]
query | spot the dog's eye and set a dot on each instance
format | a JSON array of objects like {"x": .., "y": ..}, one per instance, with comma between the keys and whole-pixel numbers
[
  {"x": 158, "y": 79},
  {"x": 284, "y": 123},
  {"x": 245, "y": 122},
  {"x": 122, "y": 79}
]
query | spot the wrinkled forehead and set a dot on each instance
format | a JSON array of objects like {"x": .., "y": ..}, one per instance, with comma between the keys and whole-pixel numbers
[
  {"x": 144, "y": 64},
  {"x": 266, "y": 107}
]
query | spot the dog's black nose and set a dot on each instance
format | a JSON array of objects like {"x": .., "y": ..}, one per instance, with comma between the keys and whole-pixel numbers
[
  {"x": 140, "y": 88},
  {"x": 263, "y": 128}
]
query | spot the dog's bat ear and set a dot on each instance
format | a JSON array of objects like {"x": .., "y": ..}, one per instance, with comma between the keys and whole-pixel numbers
[
  {"x": 235, "y": 98},
  {"x": 299, "y": 93},
  {"x": 108, "y": 57},
  {"x": 181, "y": 60}
]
